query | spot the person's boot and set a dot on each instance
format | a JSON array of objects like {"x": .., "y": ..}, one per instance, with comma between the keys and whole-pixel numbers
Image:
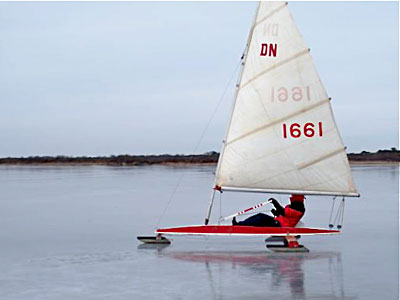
[{"x": 234, "y": 222}]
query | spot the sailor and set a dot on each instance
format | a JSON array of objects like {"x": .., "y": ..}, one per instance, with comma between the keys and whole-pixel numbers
[{"x": 283, "y": 217}]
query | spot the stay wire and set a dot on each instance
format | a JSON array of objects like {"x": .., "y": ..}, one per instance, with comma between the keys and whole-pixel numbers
[
  {"x": 339, "y": 215},
  {"x": 220, "y": 208},
  {"x": 199, "y": 142},
  {"x": 342, "y": 216},
  {"x": 332, "y": 209}
]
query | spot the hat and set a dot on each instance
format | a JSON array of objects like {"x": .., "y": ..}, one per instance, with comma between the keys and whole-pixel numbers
[{"x": 299, "y": 198}]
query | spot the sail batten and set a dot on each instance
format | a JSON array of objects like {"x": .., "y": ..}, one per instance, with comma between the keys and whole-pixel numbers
[
  {"x": 318, "y": 159},
  {"x": 284, "y": 61},
  {"x": 274, "y": 122},
  {"x": 282, "y": 136},
  {"x": 270, "y": 14}
]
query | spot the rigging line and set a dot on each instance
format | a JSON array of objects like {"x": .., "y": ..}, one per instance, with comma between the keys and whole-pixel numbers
[
  {"x": 342, "y": 214},
  {"x": 220, "y": 208},
  {"x": 338, "y": 214},
  {"x": 199, "y": 141},
  {"x": 330, "y": 218},
  {"x": 217, "y": 107},
  {"x": 341, "y": 223}
]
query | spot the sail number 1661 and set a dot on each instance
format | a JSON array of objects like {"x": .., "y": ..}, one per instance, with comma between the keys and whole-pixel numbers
[{"x": 295, "y": 130}]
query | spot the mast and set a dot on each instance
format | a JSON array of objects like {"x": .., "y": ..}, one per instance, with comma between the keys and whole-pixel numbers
[{"x": 244, "y": 58}]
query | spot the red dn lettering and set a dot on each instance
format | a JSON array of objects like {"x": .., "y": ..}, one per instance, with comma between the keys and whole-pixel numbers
[
  {"x": 296, "y": 131},
  {"x": 269, "y": 50}
]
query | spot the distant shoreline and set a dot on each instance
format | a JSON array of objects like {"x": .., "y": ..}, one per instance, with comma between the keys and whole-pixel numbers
[
  {"x": 376, "y": 162},
  {"x": 209, "y": 158}
]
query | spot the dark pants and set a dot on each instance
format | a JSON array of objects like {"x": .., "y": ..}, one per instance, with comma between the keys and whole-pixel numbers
[{"x": 261, "y": 220}]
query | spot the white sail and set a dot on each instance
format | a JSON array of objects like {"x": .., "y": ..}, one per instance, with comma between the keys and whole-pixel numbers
[{"x": 282, "y": 135}]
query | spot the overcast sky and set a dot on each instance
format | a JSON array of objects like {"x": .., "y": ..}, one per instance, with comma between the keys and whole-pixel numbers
[{"x": 140, "y": 78}]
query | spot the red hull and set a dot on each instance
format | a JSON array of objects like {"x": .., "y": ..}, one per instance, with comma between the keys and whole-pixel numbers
[{"x": 243, "y": 230}]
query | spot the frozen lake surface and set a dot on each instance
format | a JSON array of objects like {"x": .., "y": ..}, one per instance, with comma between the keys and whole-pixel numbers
[{"x": 70, "y": 233}]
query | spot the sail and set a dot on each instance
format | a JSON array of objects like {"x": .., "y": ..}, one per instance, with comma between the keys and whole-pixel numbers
[{"x": 282, "y": 135}]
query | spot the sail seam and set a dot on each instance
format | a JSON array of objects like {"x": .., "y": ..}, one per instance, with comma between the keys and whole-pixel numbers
[
  {"x": 311, "y": 107},
  {"x": 321, "y": 158},
  {"x": 271, "y": 14},
  {"x": 275, "y": 66}
]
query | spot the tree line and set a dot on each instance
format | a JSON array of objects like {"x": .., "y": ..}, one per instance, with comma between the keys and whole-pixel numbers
[{"x": 392, "y": 155}]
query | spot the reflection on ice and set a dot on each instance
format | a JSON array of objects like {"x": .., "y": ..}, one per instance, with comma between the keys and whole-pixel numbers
[
  {"x": 271, "y": 270},
  {"x": 80, "y": 259},
  {"x": 156, "y": 247}
]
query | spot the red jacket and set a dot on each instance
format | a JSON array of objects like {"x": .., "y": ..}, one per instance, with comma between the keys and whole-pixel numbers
[{"x": 291, "y": 217}]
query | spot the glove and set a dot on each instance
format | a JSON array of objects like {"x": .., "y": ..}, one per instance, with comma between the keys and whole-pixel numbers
[
  {"x": 272, "y": 200},
  {"x": 274, "y": 212}
]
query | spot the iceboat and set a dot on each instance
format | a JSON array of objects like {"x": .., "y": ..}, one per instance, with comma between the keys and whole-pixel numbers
[{"x": 282, "y": 137}]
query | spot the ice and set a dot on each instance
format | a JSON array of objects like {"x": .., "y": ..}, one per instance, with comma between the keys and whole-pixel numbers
[{"x": 70, "y": 233}]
